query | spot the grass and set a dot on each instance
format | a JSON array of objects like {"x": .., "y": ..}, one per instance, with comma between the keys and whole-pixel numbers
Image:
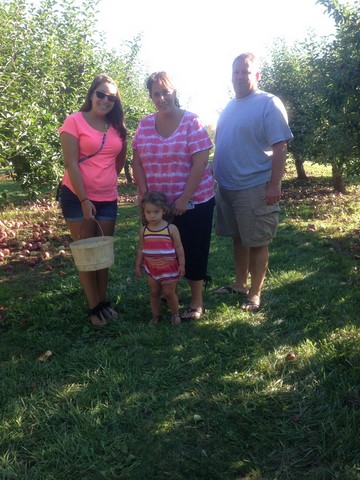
[{"x": 216, "y": 399}]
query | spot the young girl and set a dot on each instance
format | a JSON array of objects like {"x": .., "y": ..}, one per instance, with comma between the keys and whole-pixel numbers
[{"x": 161, "y": 254}]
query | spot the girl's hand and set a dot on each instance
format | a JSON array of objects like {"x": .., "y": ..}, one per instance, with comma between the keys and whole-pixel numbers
[
  {"x": 138, "y": 271},
  {"x": 181, "y": 270}
]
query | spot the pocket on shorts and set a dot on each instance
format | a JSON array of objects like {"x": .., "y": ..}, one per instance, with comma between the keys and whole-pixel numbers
[{"x": 266, "y": 223}]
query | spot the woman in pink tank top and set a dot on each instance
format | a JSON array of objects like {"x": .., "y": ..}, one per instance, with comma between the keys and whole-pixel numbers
[{"x": 93, "y": 142}]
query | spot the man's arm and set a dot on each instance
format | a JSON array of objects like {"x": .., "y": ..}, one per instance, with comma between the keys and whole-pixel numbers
[{"x": 273, "y": 193}]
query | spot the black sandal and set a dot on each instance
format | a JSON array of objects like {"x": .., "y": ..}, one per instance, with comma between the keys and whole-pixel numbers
[
  {"x": 252, "y": 306},
  {"x": 108, "y": 312},
  {"x": 96, "y": 311}
]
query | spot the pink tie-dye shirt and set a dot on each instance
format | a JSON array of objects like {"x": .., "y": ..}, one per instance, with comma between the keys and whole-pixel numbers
[{"x": 167, "y": 161}]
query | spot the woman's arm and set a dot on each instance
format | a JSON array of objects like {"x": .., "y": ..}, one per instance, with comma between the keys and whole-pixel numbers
[
  {"x": 139, "y": 255},
  {"x": 121, "y": 158},
  {"x": 199, "y": 162},
  {"x": 70, "y": 149},
  {"x": 175, "y": 235},
  {"x": 139, "y": 175}
]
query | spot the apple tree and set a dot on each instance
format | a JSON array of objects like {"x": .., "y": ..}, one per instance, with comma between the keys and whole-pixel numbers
[
  {"x": 339, "y": 68},
  {"x": 288, "y": 73},
  {"x": 319, "y": 81},
  {"x": 46, "y": 60},
  {"x": 49, "y": 55}
]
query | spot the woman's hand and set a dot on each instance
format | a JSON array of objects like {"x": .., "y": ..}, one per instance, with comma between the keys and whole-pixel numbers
[
  {"x": 180, "y": 206},
  {"x": 199, "y": 162},
  {"x": 88, "y": 208}
]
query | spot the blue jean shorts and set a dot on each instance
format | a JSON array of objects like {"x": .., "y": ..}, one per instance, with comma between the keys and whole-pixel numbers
[{"x": 72, "y": 211}]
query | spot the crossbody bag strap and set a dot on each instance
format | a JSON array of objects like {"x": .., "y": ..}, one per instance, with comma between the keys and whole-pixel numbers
[
  {"x": 58, "y": 190},
  {"x": 101, "y": 146}
]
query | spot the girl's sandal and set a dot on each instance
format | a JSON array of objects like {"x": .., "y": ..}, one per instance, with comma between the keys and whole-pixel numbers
[
  {"x": 154, "y": 320},
  {"x": 175, "y": 319},
  {"x": 96, "y": 312},
  {"x": 108, "y": 312}
]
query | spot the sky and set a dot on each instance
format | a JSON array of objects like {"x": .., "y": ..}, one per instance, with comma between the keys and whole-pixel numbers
[{"x": 195, "y": 41}]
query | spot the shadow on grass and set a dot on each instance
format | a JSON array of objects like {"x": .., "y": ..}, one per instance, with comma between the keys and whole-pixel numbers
[{"x": 215, "y": 399}]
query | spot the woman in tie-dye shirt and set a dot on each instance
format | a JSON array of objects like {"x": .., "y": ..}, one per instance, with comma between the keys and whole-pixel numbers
[{"x": 170, "y": 155}]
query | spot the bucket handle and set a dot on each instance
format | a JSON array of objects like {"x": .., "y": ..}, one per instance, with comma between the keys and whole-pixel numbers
[{"x": 98, "y": 224}]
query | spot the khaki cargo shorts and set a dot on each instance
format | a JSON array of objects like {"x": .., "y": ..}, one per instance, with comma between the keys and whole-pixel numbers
[{"x": 245, "y": 214}]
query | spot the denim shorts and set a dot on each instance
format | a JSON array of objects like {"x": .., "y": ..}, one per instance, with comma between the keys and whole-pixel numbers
[{"x": 72, "y": 210}]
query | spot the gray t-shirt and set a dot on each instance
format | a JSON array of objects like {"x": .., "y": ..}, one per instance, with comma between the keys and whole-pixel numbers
[{"x": 246, "y": 129}]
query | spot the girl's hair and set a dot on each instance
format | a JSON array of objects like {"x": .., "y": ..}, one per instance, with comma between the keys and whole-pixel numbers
[
  {"x": 116, "y": 116},
  {"x": 155, "y": 198},
  {"x": 163, "y": 79}
]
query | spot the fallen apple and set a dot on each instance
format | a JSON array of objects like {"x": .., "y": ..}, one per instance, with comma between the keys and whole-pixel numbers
[
  {"x": 44, "y": 356},
  {"x": 32, "y": 262}
]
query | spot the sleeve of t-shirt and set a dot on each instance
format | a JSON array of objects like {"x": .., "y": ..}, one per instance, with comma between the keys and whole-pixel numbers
[
  {"x": 70, "y": 126},
  {"x": 198, "y": 138},
  {"x": 278, "y": 129}
]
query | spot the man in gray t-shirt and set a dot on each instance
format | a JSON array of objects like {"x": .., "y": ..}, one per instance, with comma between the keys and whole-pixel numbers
[{"x": 251, "y": 146}]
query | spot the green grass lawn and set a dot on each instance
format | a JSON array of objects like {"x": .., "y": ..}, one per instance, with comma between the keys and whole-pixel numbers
[{"x": 214, "y": 399}]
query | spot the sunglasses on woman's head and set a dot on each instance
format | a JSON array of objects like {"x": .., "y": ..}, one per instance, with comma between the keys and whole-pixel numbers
[{"x": 102, "y": 95}]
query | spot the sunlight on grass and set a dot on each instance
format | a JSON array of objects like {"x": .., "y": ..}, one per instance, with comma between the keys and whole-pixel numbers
[
  {"x": 264, "y": 396},
  {"x": 70, "y": 390}
]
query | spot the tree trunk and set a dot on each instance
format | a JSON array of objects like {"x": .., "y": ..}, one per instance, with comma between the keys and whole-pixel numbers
[
  {"x": 337, "y": 178},
  {"x": 127, "y": 171},
  {"x": 300, "y": 170}
]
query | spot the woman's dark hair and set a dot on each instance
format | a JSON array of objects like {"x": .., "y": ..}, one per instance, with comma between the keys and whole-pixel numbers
[
  {"x": 163, "y": 79},
  {"x": 155, "y": 198},
  {"x": 116, "y": 116}
]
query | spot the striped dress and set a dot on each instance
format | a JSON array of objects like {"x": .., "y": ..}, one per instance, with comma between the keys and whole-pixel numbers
[{"x": 160, "y": 261}]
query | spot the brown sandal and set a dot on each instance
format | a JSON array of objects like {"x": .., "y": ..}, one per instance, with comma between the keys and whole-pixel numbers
[
  {"x": 191, "y": 313},
  {"x": 154, "y": 320},
  {"x": 175, "y": 319}
]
